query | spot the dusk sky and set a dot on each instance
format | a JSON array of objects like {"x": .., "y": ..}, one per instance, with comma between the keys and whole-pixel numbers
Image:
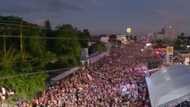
[{"x": 104, "y": 16}]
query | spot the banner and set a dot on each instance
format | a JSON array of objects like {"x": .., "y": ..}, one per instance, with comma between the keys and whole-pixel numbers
[{"x": 170, "y": 50}]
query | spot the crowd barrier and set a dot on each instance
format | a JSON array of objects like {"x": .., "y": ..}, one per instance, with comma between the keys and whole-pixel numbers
[
  {"x": 91, "y": 60},
  {"x": 97, "y": 57}
]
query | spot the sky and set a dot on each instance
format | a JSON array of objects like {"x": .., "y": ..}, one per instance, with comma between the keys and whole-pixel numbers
[{"x": 104, "y": 16}]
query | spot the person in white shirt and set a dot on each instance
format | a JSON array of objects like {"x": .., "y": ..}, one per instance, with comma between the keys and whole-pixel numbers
[{"x": 129, "y": 90}]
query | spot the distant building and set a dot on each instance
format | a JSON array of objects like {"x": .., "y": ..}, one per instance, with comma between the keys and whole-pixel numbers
[
  {"x": 122, "y": 38},
  {"x": 165, "y": 33},
  {"x": 104, "y": 38}
]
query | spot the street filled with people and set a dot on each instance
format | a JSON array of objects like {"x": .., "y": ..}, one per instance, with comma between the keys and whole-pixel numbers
[{"x": 117, "y": 80}]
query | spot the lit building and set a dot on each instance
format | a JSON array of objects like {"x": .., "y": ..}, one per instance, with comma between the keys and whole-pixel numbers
[
  {"x": 123, "y": 39},
  {"x": 104, "y": 39},
  {"x": 165, "y": 33}
]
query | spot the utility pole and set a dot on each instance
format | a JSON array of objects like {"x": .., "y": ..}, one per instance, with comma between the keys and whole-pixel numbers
[
  {"x": 21, "y": 41},
  {"x": 4, "y": 45}
]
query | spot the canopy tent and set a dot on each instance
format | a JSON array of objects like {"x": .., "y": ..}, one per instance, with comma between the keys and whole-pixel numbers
[{"x": 169, "y": 86}]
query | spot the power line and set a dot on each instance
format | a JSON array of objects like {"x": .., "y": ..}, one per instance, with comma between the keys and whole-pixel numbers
[
  {"x": 40, "y": 37},
  {"x": 16, "y": 21},
  {"x": 21, "y": 25}
]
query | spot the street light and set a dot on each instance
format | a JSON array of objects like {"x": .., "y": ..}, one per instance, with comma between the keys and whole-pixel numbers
[{"x": 129, "y": 30}]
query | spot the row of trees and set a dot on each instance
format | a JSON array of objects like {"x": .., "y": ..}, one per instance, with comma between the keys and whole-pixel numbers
[
  {"x": 182, "y": 42},
  {"x": 30, "y": 48}
]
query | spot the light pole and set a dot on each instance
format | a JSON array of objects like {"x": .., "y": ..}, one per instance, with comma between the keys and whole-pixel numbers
[
  {"x": 129, "y": 31},
  {"x": 21, "y": 40},
  {"x": 4, "y": 44}
]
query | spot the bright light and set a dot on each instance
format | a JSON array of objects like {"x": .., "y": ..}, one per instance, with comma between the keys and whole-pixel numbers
[
  {"x": 157, "y": 52},
  {"x": 148, "y": 44},
  {"x": 129, "y": 30},
  {"x": 187, "y": 60}
]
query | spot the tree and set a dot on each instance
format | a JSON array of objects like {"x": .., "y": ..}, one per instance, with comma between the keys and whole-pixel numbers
[
  {"x": 177, "y": 44},
  {"x": 181, "y": 42},
  {"x": 25, "y": 86},
  {"x": 67, "y": 46},
  {"x": 63, "y": 50},
  {"x": 84, "y": 38},
  {"x": 48, "y": 26},
  {"x": 11, "y": 65},
  {"x": 97, "y": 47},
  {"x": 48, "y": 33},
  {"x": 8, "y": 26},
  {"x": 37, "y": 49}
]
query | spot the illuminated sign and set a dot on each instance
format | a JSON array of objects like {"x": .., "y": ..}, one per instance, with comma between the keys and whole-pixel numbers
[{"x": 169, "y": 50}]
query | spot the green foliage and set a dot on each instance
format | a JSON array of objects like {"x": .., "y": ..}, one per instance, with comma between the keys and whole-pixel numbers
[
  {"x": 97, "y": 47},
  {"x": 35, "y": 45},
  {"x": 181, "y": 42},
  {"x": 84, "y": 38},
  {"x": 25, "y": 86},
  {"x": 46, "y": 58},
  {"x": 37, "y": 54},
  {"x": 67, "y": 47},
  {"x": 48, "y": 32},
  {"x": 37, "y": 49},
  {"x": 8, "y": 59},
  {"x": 100, "y": 47}
]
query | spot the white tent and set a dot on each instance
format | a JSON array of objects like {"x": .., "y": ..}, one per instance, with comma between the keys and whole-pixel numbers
[{"x": 169, "y": 86}]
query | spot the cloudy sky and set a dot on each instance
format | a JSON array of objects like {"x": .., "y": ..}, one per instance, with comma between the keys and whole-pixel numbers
[{"x": 104, "y": 16}]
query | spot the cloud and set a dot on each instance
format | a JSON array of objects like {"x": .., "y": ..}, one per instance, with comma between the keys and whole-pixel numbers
[
  {"x": 38, "y": 6},
  {"x": 61, "y": 5}
]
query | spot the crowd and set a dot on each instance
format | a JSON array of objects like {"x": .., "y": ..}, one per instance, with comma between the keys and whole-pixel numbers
[{"x": 117, "y": 80}]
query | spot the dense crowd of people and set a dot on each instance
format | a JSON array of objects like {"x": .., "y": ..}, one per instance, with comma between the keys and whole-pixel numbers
[{"x": 117, "y": 80}]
